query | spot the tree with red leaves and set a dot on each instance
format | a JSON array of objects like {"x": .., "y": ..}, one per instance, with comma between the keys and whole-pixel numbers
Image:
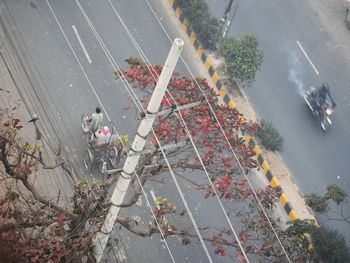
[
  {"x": 68, "y": 231},
  {"x": 34, "y": 228},
  {"x": 214, "y": 135}
]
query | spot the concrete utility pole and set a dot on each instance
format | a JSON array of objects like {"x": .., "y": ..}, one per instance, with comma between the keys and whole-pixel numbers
[
  {"x": 226, "y": 21},
  {"x": 101, "y": 239}
]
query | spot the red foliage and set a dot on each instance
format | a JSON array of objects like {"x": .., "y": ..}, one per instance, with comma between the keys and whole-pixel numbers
[
  {"x": 127, "y": 108},
  {"x": 214, "y": 146},
  {"x": 14, "y": 123},
  {"x": 223, "y": 184},
  {"x": 244, "y": 236},
  {"x": 60, "y": 218},
  {"x": 41, "y": 250},
  {"x": 220, "y": 250}
]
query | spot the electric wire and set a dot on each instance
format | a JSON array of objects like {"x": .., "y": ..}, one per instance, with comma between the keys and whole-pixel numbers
[
  {"x": 7, "y": 41},
  {"x": 107, "y": 115},
  {"x": 187, "y": 131},
  {"x": 24, "y": 101},
  {"x": 226, "y": 138},
  {"x": 41, "y": 98},
  {"x": 19, "y": 58},
  {"x": 231, "y": 148},
  {"x": 114, "y": 64},
  {"x": 170, "y": 169}
]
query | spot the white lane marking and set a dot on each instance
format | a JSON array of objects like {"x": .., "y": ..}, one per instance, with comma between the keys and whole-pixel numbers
[
  {"x": 78, "y": 61},
  {"x": 81, "y": 44},
  {"x": 307, "y": 57}
]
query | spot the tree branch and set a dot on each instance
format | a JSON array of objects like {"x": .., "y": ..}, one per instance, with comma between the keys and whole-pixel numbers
[
  {"x": 12, "y": 226},
  {"x": 42, "y": 200},
  {"x": 129, "y": 223}
]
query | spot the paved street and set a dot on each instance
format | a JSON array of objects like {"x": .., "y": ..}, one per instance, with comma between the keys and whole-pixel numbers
[
  {"x": 285, "y": 30},
  {"x": 70, "y": 50}
]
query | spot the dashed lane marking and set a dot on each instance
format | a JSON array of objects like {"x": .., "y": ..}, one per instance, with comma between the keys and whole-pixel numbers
[
  {"x": 307, "y": 57},
  {"x": 81, "y": 44}
]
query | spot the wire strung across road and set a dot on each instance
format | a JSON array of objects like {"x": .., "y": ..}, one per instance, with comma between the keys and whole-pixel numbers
[
  {"x": 185, "y": 126},
  {"x": 108, "y": 117},
  {"x": 14, "y": 58},
  {"x": 180, "y": 117},
  {"x": 40, "y": 97},
  {"x": 226, "y": 138},
  {"x": 12, "y": 54},
  {"x": 117, "y": 68},
  {"x": 141, "y": 109},
  {"x": 208, "y": 177},
  {"x": 221, "y": 127},
  {"x": 182, "y": 120}
]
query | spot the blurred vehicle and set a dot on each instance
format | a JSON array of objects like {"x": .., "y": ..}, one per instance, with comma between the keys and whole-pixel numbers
[{"x": 321, "y": 104}]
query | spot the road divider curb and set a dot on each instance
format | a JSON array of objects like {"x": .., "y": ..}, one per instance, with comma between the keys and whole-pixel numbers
[{"x": 273, "y": 181}]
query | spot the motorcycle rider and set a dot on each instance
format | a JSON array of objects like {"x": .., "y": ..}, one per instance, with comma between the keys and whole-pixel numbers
[
  {"x": 320, "y": 96},
  {"x": 321, "y": 104}
]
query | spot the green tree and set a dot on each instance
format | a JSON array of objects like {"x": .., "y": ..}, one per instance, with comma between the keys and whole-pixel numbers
[
  {"x": 317, "y": 203},
  {"x": 269, "y": 136},
  {"x": 242, "y": 57},
  {"x": 328, "y": 245},
  {"x": 330, "y": 204},
  {"x": 202, "y": 23},
  {"x": 336, "y": 194}
]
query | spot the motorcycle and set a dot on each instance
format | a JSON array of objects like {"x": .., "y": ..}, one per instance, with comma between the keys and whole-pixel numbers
[{"x": 321, "y": 110}]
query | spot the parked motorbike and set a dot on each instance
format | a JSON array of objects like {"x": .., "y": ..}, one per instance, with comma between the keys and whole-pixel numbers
[{"x": 322, "y": 108}]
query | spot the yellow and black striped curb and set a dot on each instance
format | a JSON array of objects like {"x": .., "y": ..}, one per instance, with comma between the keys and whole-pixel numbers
[{"x": 232, "y": 105}]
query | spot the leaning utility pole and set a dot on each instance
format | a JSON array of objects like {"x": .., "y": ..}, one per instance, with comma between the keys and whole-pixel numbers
[
  {"x": 101, "y": 239},
  {"x": 226, "y": 21}
]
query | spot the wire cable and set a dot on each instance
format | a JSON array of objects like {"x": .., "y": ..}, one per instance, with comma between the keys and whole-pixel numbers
[
  {"x": 226, "y": 138},
  {"x": 187, "y": 131},
  {"x": 102, "y": 106}
]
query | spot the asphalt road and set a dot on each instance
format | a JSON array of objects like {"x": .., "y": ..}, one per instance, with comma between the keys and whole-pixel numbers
[
  {"x": 283, "y": 29},
  {"x": 71, "y": 50}
]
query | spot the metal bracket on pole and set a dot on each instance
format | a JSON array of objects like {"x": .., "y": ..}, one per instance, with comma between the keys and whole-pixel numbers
[
  {"x": 180, "y": 108},
  {"x": 171, "y": 110},
  {"x": 165, "y": 147},
  {"x": 146, "y": 151}
]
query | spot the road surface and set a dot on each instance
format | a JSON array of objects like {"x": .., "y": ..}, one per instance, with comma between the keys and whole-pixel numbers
[
  {"x": 70, "y": 51},
  {"x": 305, "y": 43}
]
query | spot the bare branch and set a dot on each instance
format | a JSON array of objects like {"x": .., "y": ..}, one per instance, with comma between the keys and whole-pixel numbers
[
  {"x": 130, "y": 224},
  {"x": 44, "y": 201},
  {"x": 13, "y": 226}
]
